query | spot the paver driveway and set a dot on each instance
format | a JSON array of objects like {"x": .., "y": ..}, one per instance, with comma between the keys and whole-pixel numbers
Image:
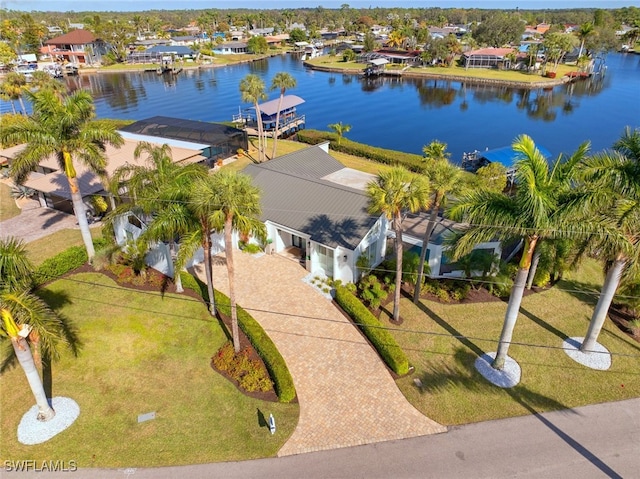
[
  {"x": 35, "y": 222},
  {"x": 347, "y": 397}
]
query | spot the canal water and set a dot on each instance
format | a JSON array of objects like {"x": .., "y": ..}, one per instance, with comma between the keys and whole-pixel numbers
[{"x": 399, "y": 114}]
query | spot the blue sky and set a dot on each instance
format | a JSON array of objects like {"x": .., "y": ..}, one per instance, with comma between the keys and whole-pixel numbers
[{"x": 141, "y": 5}]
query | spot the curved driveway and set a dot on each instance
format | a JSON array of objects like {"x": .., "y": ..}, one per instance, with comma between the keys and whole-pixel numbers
[{"x": 347, "y": 397}]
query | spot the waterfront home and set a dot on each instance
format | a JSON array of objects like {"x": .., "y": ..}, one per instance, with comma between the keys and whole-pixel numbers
[
  {"x": 230, "y": 48},
  {"x": 488, "y": 58},
  {"x": 80, "y": 47}
]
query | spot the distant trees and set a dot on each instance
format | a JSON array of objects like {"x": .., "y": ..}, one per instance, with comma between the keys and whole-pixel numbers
[
  {"x": 557, "y": 45},
  {"x": 297, "y": 35},
  {"x": 499, "y": 29}
]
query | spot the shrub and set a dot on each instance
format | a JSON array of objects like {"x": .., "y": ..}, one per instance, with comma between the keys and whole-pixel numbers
[
  {"x": 381, "y": 339},
  {"x": 381, "y": 155},
  {"x": 541, "y": 278},
  {"x": 249, "y": 374},
  {"x": 60, "y": 264},
  {"x": 252, "y": 248},
  {"x": 372, "y": 292},
  {"x": 273, "y": 360}
]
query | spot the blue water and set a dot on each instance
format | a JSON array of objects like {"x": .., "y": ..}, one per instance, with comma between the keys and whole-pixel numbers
[{"x": 397, "y": 114}]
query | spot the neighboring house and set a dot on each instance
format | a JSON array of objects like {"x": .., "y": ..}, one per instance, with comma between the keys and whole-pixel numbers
[
  {"x": 186, "y": 41},
  {"x": 216, "y": 142},
  {"x": 230, "y": 48},
  {"x": 488, "y": 58},
  {"x": 190, "y": 142},
  {"x": 261, "y": 32},
  {"x": 169, "y": 51},
  {"x": 440, "y": 266},
  {"x": 80, "y": 47},
  {"x": 52, "y": 186}
]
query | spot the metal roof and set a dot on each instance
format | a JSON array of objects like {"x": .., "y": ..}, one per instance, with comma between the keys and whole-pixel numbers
[
  {"x": 288, "y": 101},
  {"x": 177, "y": 49},
  {"x": 186, "y": 130},
  {"x": 379, "y": 61},
  {"x": 508, "y": 156},
  {"x": 295, "y": 196}
]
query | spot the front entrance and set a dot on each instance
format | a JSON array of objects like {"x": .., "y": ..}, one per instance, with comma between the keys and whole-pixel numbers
[
  {"x": 325, "y": 260},
  {"x": 301, "y": 243}
]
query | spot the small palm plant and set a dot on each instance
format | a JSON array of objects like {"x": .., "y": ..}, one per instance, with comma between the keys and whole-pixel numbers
[{"x": 340, "y": 129}]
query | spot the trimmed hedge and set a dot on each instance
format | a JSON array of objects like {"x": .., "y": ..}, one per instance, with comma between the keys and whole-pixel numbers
[
  {"x": 60, "y": 264},
  {"x": 381, "y": 339},
  {"x": 273, "y": 360},
  {"x": 410, "y": 161}
]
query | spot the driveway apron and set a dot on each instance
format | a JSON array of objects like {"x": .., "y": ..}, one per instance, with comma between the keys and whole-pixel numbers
[{"x": 347, "y": 396}]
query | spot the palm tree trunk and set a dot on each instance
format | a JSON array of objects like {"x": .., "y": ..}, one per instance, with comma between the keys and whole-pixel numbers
[
  {"x": 511, "y": 316},
  {"x": 275, "y": 132},
  {"x": 206, "y": 244},
  {"x": 176, "y": 269},
  {"x": 81, "y": 215},
  {"x": 25, "y": 358},
  {"x": 515, "y": 299},
  {"x": 425, "y": 243},
  {"x": 259, "y": 121},
  {"x": 532, "y": 270},
  {"x": 396, "y": 294},
  {"x": 228, "y": 245},
  {"x": 24, "y": 110},
  {"x": 609, "y": 288}
]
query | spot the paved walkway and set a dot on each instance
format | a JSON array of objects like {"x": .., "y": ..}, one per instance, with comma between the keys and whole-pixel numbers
[
  {"x": 35, "y": 222},
  {"x": 347, "y": 397}
]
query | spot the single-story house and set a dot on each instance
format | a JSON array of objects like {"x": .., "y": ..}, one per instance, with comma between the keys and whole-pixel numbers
[
  {"x": 174, "y": 51},
  {"x": 230, "y": 48},
  {"x": 315, "y": 210},
  {"x": 52, "y": 186},
  {"x": 488, "y": 58},
  {"x": 78, "y": 47},
  {"x": 216, "y": 141}
]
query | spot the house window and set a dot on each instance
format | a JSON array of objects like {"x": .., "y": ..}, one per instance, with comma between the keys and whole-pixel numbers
[{"x": 325, "y": 260}]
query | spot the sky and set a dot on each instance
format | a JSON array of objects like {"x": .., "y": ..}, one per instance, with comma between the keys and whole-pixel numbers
[{"x": 141, "y": 5}]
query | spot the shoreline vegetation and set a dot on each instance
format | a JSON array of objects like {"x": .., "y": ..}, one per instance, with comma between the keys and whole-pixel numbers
[{"x": 325, "y": 63}]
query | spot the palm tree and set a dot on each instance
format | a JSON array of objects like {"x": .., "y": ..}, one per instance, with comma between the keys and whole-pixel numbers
[
  {"x": 340, "y": 130},
  {"x": 281, "y": 82},
  {"x": 253, "y": 90},
  {"x": 14, "y": 87},
  {"x": 531, "y": 214},
  {"x": 28, "y": 322},
  {"x": 443, "y": 178},
  {"x": 584, "y": 31},
  {"x": 42, "y": 80},
  {"x": 233, "y": 203},
  {"x": 391, "y": 193},
  {"x": 63, "y": 126},
  {"x": 158, "y": 189},
  {"x": 613, "y": 183}
]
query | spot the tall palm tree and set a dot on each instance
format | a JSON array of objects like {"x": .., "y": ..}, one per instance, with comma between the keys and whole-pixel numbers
[
  {"x": 444, "y": 177},
  {"x": 282, "y": 81},
  {"x": 612, "y": 180},
  {"x": 233, "y": 203},
  {"x": 252, "y": 90},
  {"x": 392, "y": 193},
  {"x": 585, "y": 31},
  {"x": 531, "y": 214},
  {"x": 27, "y": 321},
  {"x": 63, "y": 126}
]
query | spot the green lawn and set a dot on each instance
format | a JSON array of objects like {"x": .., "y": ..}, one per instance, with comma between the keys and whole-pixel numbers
[
  {"x": 8, "y": 207},
  {"x": 142, "y": 353},
  {"x": 454, "y": 393},
  {"x": 49, "y": 246}
]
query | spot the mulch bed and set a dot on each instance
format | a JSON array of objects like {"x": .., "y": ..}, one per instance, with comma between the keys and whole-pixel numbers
[{"x": 621, "y": 315}]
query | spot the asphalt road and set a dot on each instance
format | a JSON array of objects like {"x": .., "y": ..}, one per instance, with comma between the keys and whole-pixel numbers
[{"x": 589, "y": 442}]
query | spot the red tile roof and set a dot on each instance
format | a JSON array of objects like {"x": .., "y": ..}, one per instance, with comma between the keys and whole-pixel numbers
[{"x": 75, "y": 37}]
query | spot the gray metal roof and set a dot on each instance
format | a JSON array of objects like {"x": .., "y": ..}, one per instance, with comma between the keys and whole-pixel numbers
[
  {"x": 295, "y": 196},
  {"x": 288, "y": 101}
]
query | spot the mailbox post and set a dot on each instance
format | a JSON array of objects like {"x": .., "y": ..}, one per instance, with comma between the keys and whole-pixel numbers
[{"x": 272, "y": 424}]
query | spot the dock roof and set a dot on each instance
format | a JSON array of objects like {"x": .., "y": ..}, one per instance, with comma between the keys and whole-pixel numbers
[{"x": 288, "y": 101}]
